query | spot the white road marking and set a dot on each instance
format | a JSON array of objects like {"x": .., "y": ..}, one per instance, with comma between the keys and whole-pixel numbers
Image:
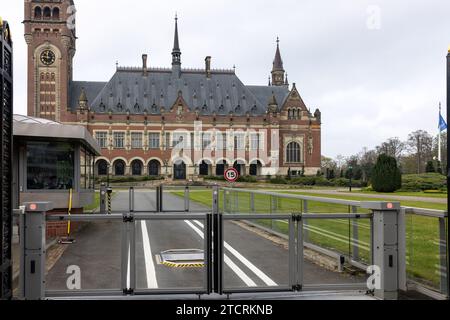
[
  {"x": 152, "y": 283},
  {"x": 241, "y": 274},
  {"x": 128, "y": 268},
  {"x": 269, "y": 282}
]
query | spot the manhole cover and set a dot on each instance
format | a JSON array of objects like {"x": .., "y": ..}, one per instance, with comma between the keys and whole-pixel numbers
[{"x": 183, "y": 258}]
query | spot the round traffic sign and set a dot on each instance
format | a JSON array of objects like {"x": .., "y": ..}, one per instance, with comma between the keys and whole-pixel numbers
[{"x": 231, "y": 175}]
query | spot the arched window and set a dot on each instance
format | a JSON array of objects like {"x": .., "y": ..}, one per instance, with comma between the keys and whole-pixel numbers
[
  {"x": 102, "y": 168},
  {"x": 38, "y": 13},
  {"x": 56, "y": 13},
  {"x": 136, "y": 168},
  {"x": 153, "y": 168},
  {"x": 119, "y": 168},
  {"x": 289, "y": 114},
  {"x": 47, "y": 13},
  {"x": 293, "y": 153}
]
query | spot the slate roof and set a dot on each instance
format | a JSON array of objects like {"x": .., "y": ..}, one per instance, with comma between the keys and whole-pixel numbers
[{"x": 129, "y": 90}]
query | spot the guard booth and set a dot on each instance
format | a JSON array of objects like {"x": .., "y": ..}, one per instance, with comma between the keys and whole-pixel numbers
[
  {"x": 6, "y": 107},
  {"x": 55, "y": 163}
]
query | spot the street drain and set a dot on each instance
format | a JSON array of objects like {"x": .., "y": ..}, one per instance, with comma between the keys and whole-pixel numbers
[{"x": 183, "y": 258}]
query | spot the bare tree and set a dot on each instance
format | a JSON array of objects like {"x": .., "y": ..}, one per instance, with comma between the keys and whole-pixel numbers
[
  {"x": 421, "y": 144},
  {"x": 393, "y": 147}
]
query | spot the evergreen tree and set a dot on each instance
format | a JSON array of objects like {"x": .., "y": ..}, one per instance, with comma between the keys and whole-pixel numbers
[
  {"x": 430, "y": 167},
  {"x": 386, "y": 175}
]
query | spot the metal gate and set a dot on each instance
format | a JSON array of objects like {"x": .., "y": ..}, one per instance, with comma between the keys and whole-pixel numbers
[{"x": 6, "y": 115}]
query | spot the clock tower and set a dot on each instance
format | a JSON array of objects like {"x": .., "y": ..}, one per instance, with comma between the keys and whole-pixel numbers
[{"x": 50, "y": 36}]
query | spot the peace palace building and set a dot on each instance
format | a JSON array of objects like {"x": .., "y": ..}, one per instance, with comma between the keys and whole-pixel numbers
[{"x": 174, "y": 122}]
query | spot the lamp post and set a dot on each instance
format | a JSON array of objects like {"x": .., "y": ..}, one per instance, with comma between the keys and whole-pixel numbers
[{"x": 350, "y": 169}]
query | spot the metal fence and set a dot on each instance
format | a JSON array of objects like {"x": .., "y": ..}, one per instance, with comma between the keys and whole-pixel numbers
[{"x": 422, "y": 239}]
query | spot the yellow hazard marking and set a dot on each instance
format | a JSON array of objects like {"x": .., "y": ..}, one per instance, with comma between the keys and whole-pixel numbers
[{"x": 182, "y": 265}]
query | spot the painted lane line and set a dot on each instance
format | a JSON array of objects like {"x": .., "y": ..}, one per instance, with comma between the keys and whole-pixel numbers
[
  {"x": 128, "y": 268},
  {"x": 269, "y": 282},
  {"x": 152, "y": 283},
  {"x": 241, "y": 274}
]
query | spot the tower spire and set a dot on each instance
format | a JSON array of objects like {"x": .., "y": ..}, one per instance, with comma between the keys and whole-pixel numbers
[
  {"x": 278, "y": 78},
  {"x": 176, "y": 52}
]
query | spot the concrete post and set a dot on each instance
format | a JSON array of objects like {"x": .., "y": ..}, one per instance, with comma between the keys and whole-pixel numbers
[
  {"x": 103, "y": 191},
  {"x": 443, "y": 267},
  {"x": 32, "y": 268},
  {"x": 385, "y": 240}
]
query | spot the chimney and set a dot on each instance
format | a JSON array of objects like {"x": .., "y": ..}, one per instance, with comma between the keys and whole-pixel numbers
[
  {"x": 208, "y": 66},
  {"x": 144, "y": 65}
]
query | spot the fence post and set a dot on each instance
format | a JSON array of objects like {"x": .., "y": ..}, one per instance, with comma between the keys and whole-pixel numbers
[
  {"x": 402, "y": 250},
  {"x": 305, "y": 222},
  {"x": 131, "y": 199},
  {"x": 355, "y": 240},
  {"x": 386, "y": 261},
  {"x": 443, "y": 267},
  {"x": 103, "y": 198},
  {"x": 252, "y": 202},
  {"x": 32, "y": 270}
]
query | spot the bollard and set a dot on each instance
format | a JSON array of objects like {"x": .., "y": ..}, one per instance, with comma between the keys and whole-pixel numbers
[
  {"x": 103, "y": 191},
  {"x": 109, "y": 192},
  {"x": 186, "y": 199},
  {"x": 33, "y": 233},
  {"x": 385, "y": 247}
]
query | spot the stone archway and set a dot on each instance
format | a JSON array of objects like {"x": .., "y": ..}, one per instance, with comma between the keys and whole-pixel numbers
[{"x": 179, "y": 170}]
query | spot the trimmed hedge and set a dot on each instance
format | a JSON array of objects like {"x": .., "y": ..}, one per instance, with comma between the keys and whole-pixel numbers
[
  {"x": 127, "y": 179},
  {"x": 422, "y": 182}
]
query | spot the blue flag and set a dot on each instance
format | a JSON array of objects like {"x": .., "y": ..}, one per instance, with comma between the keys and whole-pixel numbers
[{"x": 442, "y": 123}]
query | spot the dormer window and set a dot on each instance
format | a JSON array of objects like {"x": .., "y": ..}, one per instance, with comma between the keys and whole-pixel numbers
[
  {"x": 119, "y": 107},
  {"x": 154, "y": 108},
  {"x": 102, "y": 107},
  {"x": 137, "y": 108}
]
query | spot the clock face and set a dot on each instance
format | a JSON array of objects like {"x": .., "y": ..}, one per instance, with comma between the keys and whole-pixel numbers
[{"x": 48, "y": 57}]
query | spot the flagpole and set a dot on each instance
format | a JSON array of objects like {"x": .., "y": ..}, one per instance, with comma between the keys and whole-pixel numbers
[{"x": 439, "y": 139}]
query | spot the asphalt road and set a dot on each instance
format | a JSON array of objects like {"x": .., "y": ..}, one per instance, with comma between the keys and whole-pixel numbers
[{"x": 250, "y": 259}]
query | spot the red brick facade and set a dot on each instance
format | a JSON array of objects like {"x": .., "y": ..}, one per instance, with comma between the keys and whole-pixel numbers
[{"x": 281, "y": 124}]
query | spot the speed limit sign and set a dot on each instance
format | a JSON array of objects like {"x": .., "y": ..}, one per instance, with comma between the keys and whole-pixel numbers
[{"x": 231, "y": 175}]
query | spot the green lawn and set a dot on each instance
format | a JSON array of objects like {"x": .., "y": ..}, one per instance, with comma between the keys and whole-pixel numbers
[
  {"x": 422, "y": 232},
  {"x": 408, "y": 194}
]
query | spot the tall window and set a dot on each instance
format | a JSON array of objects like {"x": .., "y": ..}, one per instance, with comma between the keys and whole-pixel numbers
[
  {"x": 239, "y": 141},
  {"x": 293, "y": 153},
  {"x": 136, "y": 140},
  {"x": 102, "y": 139},
  {"x": 119, "y": 140},
  {"x": 255, "y": 141},
  {"x": 180, "y": 140},
  {"x": 50, "y": 166},
  {"x": 154, "y": 140},
  {"x": 206, "y": 144},
  {"x": 221, "y": 141}
]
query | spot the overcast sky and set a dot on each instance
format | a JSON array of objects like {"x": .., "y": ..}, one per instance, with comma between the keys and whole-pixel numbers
[{"x": 376, "y": 69}]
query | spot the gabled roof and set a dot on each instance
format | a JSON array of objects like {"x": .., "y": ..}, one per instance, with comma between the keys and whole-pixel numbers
[{"x": 129, "y": 90}]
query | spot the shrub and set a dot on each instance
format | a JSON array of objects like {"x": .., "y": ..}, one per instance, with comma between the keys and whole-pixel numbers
[
  {"x": 430, "y": 167},
  {"x": 386, "y": 176},
  {"x": 278, "y": 180},
  {"x": 421, "y": 182}
]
